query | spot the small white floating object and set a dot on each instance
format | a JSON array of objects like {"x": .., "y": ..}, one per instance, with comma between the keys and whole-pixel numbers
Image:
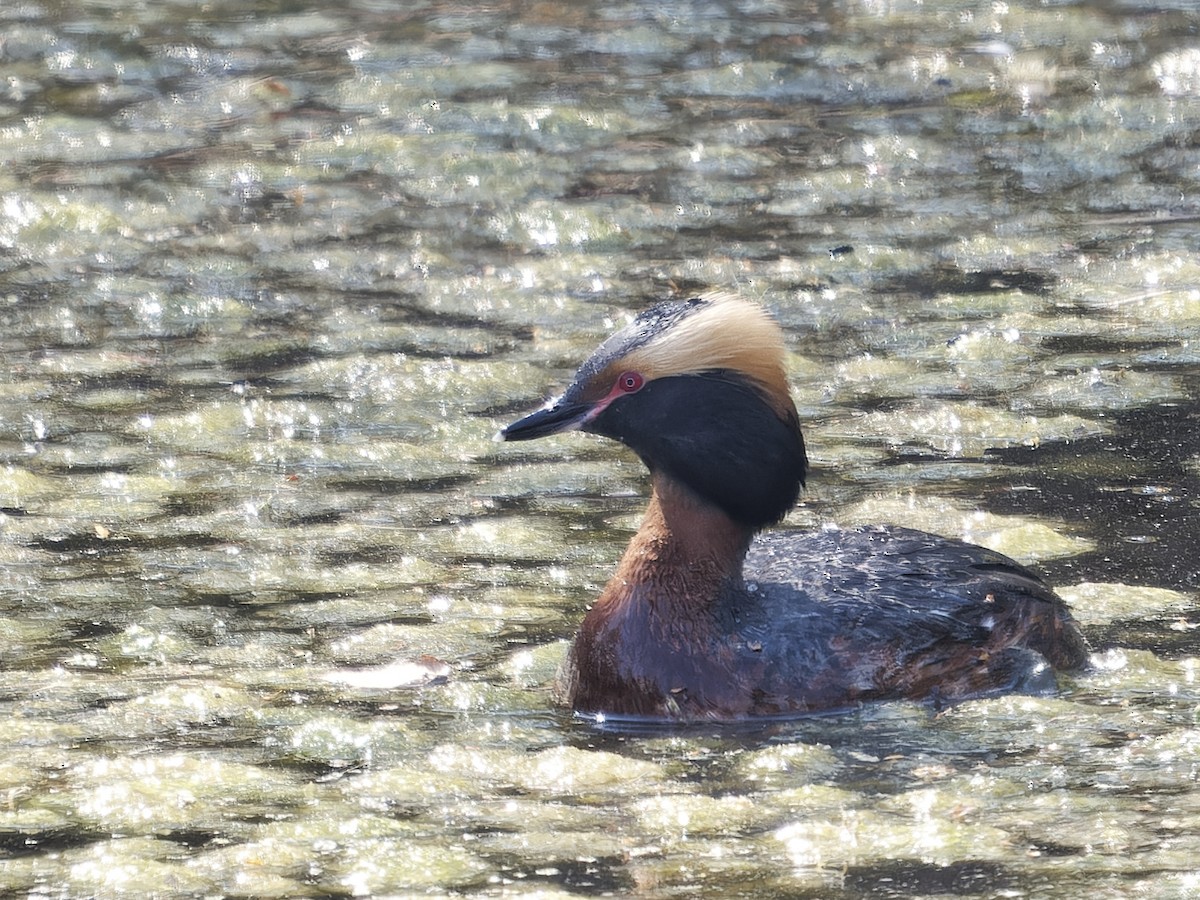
[{"x": 399, "y": 674}]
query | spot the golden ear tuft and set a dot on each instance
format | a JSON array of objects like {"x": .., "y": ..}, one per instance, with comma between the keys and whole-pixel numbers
[{"x": 727, "y": 332}]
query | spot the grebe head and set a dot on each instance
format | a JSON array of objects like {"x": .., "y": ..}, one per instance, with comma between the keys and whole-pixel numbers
[{"x": 698, "y": 389}]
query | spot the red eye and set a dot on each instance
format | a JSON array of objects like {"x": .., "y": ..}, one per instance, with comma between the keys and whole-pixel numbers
[{"x": 629, "y": 382}]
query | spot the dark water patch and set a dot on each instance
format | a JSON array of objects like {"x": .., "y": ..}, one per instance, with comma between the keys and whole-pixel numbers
[
  {"x": 17, "y": 843},
  {"x": 254, "y": 364},
  {"x": 193, "y": 839},
  {"x": 389, "y": 486},
  {"x": 592, "y": 877},
  {"x": 89, "y": 630},
  {"x": 906, "y": 878},
  {"x": 1137, "y": 489},
  {"x": 94, "y": 545},
  {"x": 928, "y": 283},
  {"x": 1172, "y": 637},
  {"x": 1103, "y": 344}
]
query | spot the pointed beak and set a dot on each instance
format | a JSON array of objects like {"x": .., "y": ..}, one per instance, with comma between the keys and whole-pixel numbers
[{"x": 558, "y": 415}]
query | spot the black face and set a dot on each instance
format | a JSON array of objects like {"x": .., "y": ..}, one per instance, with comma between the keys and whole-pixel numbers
[{"x": 715, "y": 433}]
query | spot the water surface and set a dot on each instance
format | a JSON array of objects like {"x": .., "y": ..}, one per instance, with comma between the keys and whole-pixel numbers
[{"x": 279, "y": 618}]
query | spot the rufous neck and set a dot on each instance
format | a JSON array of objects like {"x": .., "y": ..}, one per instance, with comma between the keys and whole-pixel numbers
[
  {"x": 686, "y": 556},
  {"x": 694, "y": 529}
]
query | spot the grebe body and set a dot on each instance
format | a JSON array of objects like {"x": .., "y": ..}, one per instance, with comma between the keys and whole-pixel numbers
[{"x": 706, "y": 618}]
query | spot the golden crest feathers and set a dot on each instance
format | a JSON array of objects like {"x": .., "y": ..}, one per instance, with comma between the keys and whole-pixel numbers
[{"x": 726, "y": 332}]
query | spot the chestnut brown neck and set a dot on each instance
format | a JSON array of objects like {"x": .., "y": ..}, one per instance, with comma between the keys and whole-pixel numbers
[
  {"x": 660, "y": 640},
  {"x": 685, "y": 556}
]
